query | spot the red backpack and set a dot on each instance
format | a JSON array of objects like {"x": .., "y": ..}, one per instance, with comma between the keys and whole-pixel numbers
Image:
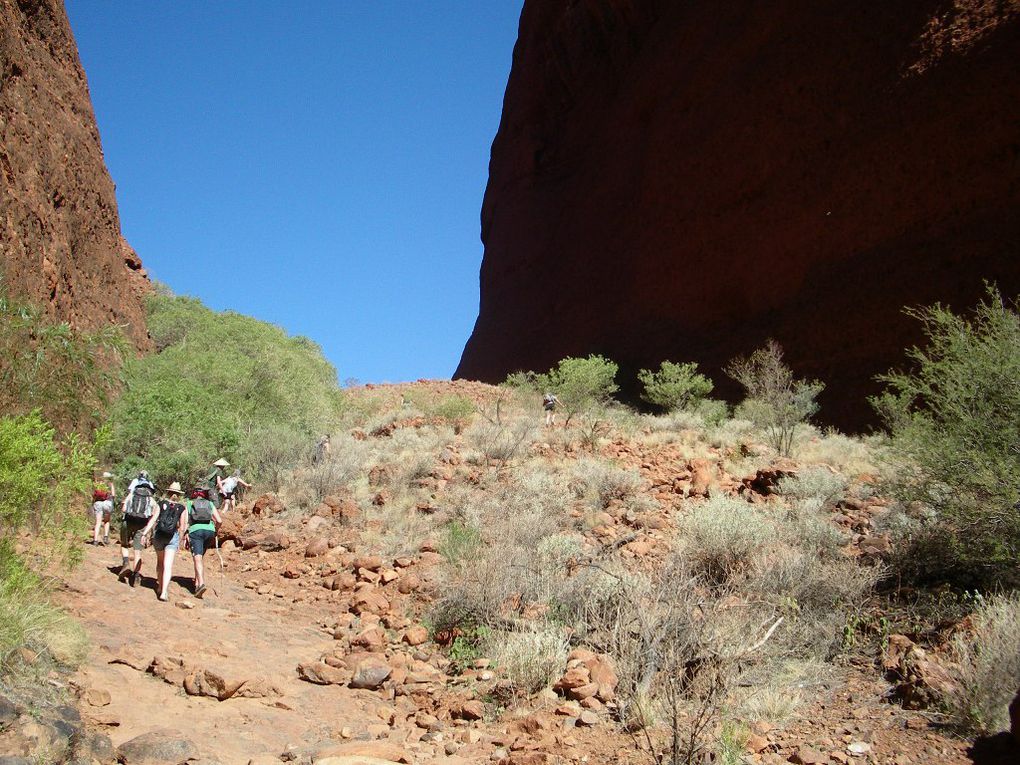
[{"x": 100, "y": 495}]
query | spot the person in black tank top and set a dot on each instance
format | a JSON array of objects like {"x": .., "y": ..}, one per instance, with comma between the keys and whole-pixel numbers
[{"x": 165, "y": 529}]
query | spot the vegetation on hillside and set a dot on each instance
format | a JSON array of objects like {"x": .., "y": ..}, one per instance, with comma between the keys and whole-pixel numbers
[{"x": 220, "y": 385}]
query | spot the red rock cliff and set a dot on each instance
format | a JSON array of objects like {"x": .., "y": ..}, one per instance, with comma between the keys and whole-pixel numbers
[
  {"x": 684, "y": 180},
  {"x": 60, "y": 240}
]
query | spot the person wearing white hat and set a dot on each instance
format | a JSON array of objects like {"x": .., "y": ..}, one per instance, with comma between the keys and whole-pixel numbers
[
  {"x": 212, "y": 481},
  {"x": 166, "y": 528}
]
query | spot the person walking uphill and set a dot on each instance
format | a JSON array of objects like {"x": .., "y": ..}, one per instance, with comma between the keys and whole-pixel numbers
[
  {"x": 228, "y": 486},
  {"x": 166, "y": 528},
  {"x": 203, "y": 519},
  {"x": 212, "y": 481},
  {"x": 103, "y": 497},
  {"x": 549, "y": 402},
  {"x": 139, "y": 506}
]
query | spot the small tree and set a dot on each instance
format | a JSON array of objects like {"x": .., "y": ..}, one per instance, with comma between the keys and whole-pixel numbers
[
  {"x": 581, "y": 384},
  {"x": 956, "y": 439},
  {"x": 776, "y": 401},
  {"x": 674, "y": 386}
]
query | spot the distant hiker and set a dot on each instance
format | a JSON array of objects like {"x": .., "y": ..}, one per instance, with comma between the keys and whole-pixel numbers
[
  {"x": 139, "y": 506},
  {"x": 321, "y": 450},
  {"x": 103, "y": 497},
  {"x": 165, "y": 529},
  {"x": 549, "y": 402},
  {"x": 212, "y": 481},
  {"x": 228, "y": 486},
  {"x": 203, "y": 520}
]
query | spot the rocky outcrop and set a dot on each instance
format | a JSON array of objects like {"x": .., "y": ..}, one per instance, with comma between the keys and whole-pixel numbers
[
  {"x": 686, "y": 180},
  {"x": 60, "y": 240}
]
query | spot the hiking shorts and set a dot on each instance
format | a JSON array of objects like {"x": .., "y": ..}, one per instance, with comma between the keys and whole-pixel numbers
[
  {"x": 103, "y": 508},
  {"x": 201, "y": 540},
  {"x": 160, "y": 542},
  {"x": 228, "y": 494},
  {"x": 131, "y": 532}
]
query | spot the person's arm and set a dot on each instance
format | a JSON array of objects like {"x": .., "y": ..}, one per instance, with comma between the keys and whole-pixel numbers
[
  {"x": 182, "y": 524},
  {"x": 244, "y": 483},
  {"x": 217, "y": 520},
  {"x": 152, "y": 521},
  {"x": 219, "y": 483}
]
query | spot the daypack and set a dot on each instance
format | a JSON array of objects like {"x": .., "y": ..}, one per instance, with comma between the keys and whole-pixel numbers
[
  {"x": 100, "y": 495},
  {"x": 201, "y": 511},
  {"x": 169, "y": 518},
  {"x": 140, "y": 504}
]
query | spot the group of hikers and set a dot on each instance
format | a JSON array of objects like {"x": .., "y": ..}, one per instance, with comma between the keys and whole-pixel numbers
[{"x": 165, "y": 522}]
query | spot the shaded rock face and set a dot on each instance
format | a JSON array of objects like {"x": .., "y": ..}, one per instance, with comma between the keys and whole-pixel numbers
[
  {"x": 60, "y": 240},
  {"x": 686, "y": 180}
]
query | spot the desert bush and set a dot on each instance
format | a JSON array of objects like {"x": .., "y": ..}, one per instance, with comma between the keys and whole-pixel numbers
[
  {"x": 460, "y": 543},
  {"x": 530, "y": 658},
  {"x": 814, "y": 483},
  {"x": 580, "y": 384},
  {"x": 603, "y": 482},
  {"x": 776, "y": 401},
  {"x": 674, "y": 386},
  {"x": 721, "y": 536},
  {"x": 67, "y": 374},
  {"x": 216, "y": 385},
  {"x": 729, "y": 433},
  {"x": 851, "y": 456},
  {"x": 987, "y": 667},
  {"x": 955, "y": 440},
  {"x": 502, "y": 440}
]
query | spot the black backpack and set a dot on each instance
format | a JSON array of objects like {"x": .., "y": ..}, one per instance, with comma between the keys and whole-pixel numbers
[
  {"x": 169, "y": 518},
  {"x": 201, "y": 511},
  {"x": 138, "y": 506}
]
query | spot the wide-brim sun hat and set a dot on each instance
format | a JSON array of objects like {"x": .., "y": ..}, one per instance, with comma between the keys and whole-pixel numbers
[
  {"x": 174, "y": 488},
  {"x": 221, "y": 463},
  {"x": 107, "y": 474}
]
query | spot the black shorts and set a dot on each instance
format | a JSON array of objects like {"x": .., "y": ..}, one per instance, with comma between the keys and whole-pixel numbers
[{"x": 227, "y": 494}]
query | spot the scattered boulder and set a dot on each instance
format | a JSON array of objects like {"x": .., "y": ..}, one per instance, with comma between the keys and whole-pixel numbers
[
  {"x": 209, "y": 683},
  {"x": 163, "y": 746},
  {"x": 318, "y": 546},
  {"x": 415, "y": 635},
  {"x": 268, "y": 504},
  {"x": 472, "y": 709},
  {"x": 370, "y": 674},
  {"x": 321, "y": 674},
  {"x": 274, "y": 541}
]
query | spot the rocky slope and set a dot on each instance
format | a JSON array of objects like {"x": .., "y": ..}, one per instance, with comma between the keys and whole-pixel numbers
[
  {"x": 685, "y": 180},
  {"x": 60, "y": 240}
]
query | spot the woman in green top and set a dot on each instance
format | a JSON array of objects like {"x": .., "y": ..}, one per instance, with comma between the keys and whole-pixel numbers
[{"x": 203, "y": 519}]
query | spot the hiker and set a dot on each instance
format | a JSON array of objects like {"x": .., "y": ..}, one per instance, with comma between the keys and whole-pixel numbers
[
  {"x": 103, "y": 497},
  {"x": 549, "y": 402},
  {"x": 228, "y": 486},
  {"x": 139, "y": 506},
  {"x": 321, "y": 450},
  {"x": 165, "y": 529},
  {"x": 212, "y": 481},
  {"x": 203, "y": 520}
]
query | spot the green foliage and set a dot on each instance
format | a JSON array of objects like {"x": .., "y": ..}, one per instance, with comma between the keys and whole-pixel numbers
[
  {"x": 955, "y": 444},
  {"x": 581, "y": 384},
  {"x": 42, "y": 479},
  {"x": 674, "y": 386},
  {"x": 65, "y": 373},
  {"x": 467, "y": 647},
  {"x": 462, "y": 541},
  {"x": 221, "y": 385},
  {"x": 28, "y": 620},
  {"x": 776, "y": 401}
]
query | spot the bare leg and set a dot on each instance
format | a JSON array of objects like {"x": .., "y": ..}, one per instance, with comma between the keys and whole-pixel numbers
[
  {"x": 95, "y": 531},
  {"x": 160, "y": 555},
  {"x": 199, "y": 571},
  {"x": 168, "y": 570}
]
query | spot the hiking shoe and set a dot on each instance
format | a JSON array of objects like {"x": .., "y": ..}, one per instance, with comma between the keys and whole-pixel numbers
[
  {"x": 106, "y": 540},
  {"x": 162, "y": 598},
  {"x": 200, "y": 592},
  {"x": 135, "y": 578},
  {"x": 125, "y": 572}
]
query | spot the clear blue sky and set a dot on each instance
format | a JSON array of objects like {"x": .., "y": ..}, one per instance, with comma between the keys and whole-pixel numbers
[{"x": 319, "y": 165}]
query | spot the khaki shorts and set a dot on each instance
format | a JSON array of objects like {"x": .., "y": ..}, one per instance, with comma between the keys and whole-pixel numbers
[
  {"x": 103, "y": 508},
  {"x": 131, "y": 532}
]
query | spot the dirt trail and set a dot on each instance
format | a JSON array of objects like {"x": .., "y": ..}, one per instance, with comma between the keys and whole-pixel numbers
[{"x": 231, "y": 631}]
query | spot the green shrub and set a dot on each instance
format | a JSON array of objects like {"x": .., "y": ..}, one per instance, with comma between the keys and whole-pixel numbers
[
  {"x": 581, "y": 384},
  {"x": 220, "y": 385},
  {"x": 814, "y": 483},
  {"x": 955, "y": 445},
  {"x": 43, "y": 481},
  {"x": 721, "y": 536},
  {"x": 461, "y": 542},
  {"x": 674, "y": 386},
  {"x": 776, "y": 401},
  {"x": 67, "y": 374}
]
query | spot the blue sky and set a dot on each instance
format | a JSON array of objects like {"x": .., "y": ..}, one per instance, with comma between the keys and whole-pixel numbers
[{"x": 319, "y": 165}]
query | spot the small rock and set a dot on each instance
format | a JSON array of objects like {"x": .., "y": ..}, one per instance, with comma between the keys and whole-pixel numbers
[
  {"x": 98, "y": 697},
  {"x": 159, "y": 747},
  {"x": 370, "y": 674},
  {"x": 415, "y": 635},
  {"x": 587, "y": 718}
]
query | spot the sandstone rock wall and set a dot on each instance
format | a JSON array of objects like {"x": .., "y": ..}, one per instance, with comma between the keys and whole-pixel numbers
[
  {"x": 684, "y": 180},
  {"x": 60, "y": 240}
]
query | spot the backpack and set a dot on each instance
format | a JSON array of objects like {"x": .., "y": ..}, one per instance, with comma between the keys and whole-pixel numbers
[
  {"x": 100, "y": 495},
  {"x": 201, "y": 511},
  {"x": 169, "y": 517},
  {"x": 139, "y": 506}
]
